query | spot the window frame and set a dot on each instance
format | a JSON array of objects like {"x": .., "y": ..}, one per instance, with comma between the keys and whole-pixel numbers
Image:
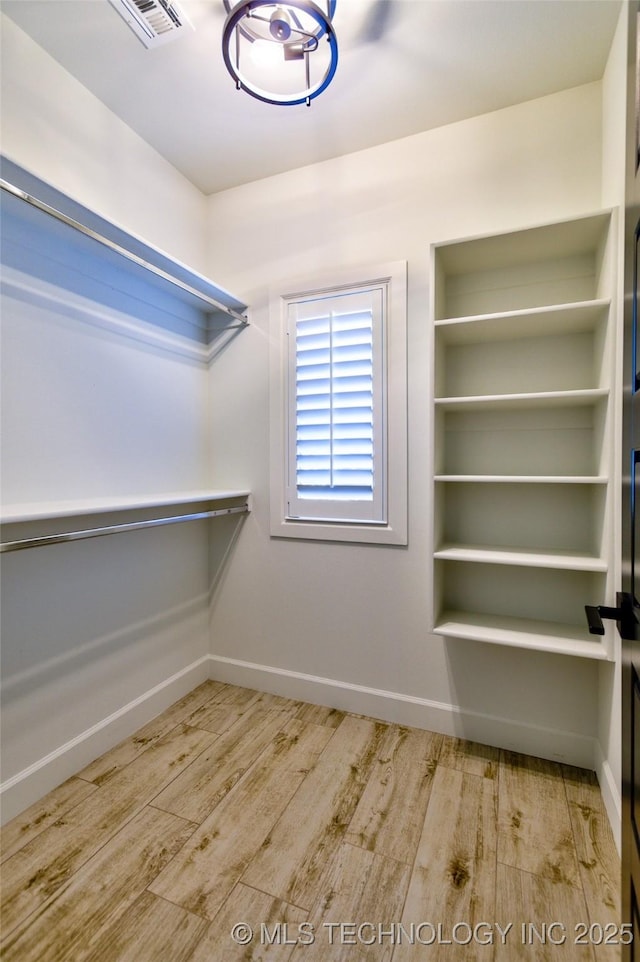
[{"x": 392, "y": 529}]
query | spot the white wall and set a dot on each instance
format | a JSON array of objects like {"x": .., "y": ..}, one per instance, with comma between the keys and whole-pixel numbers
[
  {"x": 97, "y": 636},
  {"x": 52, "y": 125},
  {"x": 347, "y": 624}
]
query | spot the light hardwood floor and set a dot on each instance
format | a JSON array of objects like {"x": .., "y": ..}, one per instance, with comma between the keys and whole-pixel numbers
[{"x": 328, "y": 836}]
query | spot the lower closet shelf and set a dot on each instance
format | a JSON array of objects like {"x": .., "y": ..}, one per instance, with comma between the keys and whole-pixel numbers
[
  {"x": 528, "y": 633},
  {"x": 44, "y": 523}
]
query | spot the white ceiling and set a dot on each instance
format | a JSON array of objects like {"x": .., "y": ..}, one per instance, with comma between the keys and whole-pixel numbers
[{"x": 404, "y": 66}]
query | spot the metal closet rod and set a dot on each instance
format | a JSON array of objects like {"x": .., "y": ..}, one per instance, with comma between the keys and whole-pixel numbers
[
  {"x": 112, "y": 245},
  {"x": 116, "y": 529}
]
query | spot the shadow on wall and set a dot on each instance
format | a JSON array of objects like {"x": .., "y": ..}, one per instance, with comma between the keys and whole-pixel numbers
[
  {"x": 554, "y": 697},
  {"x": 89, "y": 627},
  {"x": 63, "y": 604},
  {"x": 224, "y": 536}
]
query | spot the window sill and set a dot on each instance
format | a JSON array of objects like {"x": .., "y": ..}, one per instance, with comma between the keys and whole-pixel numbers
[{"x": 337, "y": 531}]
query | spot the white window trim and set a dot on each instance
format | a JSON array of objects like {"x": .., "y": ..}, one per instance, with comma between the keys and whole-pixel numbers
[{"x": 394, "y": 532}]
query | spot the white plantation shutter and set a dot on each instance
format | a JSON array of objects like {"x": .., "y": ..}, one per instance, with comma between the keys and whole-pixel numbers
[{"x": 336, "y": 406}]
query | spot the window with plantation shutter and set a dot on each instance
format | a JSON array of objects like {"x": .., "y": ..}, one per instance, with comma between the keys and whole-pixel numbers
[
  {"x": 337, "y": 427},
  {"x": 338, "y": 410}
]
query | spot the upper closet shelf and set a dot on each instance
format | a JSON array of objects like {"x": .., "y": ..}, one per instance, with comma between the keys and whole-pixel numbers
[{"x": 97, "y": 236}]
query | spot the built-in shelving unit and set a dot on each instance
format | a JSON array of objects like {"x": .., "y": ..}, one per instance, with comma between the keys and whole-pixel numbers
[
  {"x": 524, "y": 476},
  {"x": 38, "y": 525}
]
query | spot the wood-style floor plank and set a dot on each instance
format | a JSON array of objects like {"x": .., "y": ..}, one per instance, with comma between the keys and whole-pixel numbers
[
  {"x": 535, "y": 832},
  {"x": 273, "y": 925},
  {"x": 30, "y": 823},
  {"x": 221, "y": 712},
  {"x": 68, "y": 924},
  {"x": 319, "y": 714},
  {"x": 598, "y": 862},
  {"x": 544, "y": 914},
  {"x": 196, "y": 792},
  {"x": 335, "y": 837},
  {"x": 391, "y": 811},
  {"x": 294, "y": 855},
  {"x": 105, "y": 767},
  {"x": 454, "y": 874},
  {"x": 150, "y": 929},
  {"x": 34, "y": 873},
  {"x": 470, "y": 757},
  {"x": 360, "y": 894},
  {"x": 216, "y": 856}
]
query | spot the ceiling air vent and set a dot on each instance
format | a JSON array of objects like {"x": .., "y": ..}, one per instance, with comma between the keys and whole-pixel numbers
[{"x": 154, "y": 22}]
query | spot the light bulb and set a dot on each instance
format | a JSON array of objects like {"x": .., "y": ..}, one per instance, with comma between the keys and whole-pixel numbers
[{"x": 265, "y": 53}]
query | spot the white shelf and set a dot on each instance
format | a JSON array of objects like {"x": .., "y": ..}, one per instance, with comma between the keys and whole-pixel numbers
[
  {"x": 526, "y": 633},
  {"x": 513, "y": 325},
  {"x": 490, "y": 402},
  {"x": 522, "y": 479},
  {"x": 535, "y": 558},
  {"x": 51, "y": 510},
  {"x": 41, "y": 524},
  {"x": 37, "y": 208}
]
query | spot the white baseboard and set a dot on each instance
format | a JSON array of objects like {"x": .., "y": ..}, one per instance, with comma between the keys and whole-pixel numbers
[
  {"x": 27, "y": 786},
  {"x": 610, "y": 794},
  {"x": 567, "y": 747}
]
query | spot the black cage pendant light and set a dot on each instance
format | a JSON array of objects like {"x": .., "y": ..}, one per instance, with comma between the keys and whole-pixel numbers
[{"x": 280, "y": 53}]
